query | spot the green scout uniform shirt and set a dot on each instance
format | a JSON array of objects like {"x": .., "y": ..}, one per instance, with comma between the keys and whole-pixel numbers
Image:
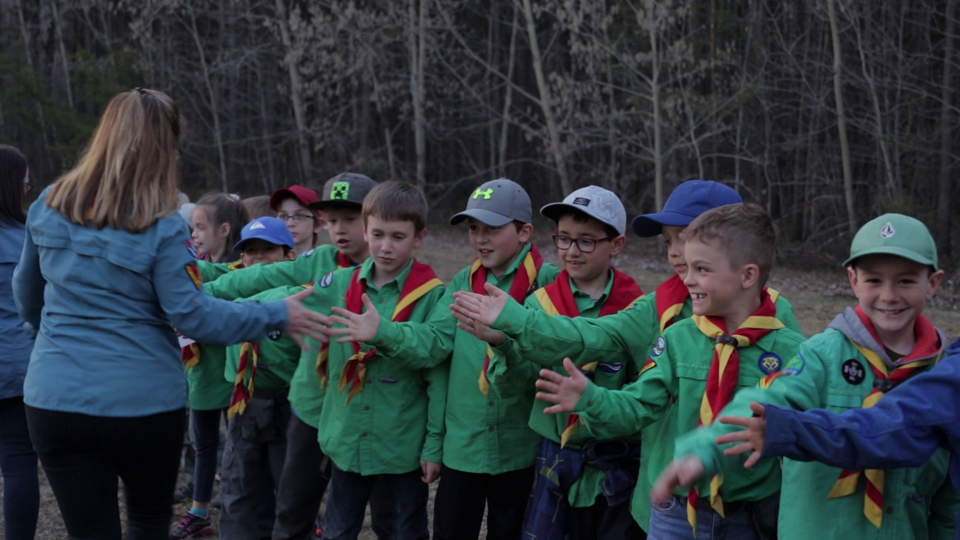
[
  {"x": 510, "y": 373},
  {"x": 672, "y": 389},
  {"x": 261, "y": 277},
  {"x": 397, "y": 419},
  {"x": 631, "y": 333},
  {"x": 278, "y": 355},
  {"x": 207, "y": 388},
  {"x": 483, "y": 434},
  {"x": 919, "y": 502}
]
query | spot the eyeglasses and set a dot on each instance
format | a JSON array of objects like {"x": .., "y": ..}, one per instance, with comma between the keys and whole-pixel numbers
[
  {"x": 27, "y": 186},
  {"x": 585, "y": 245},
  {"x": 297, "y": 218}
]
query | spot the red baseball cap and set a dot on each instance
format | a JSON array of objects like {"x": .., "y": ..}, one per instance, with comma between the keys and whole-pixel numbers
[{"x": 306, "y": 196}]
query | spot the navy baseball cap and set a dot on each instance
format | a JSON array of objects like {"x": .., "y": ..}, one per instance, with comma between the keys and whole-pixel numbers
[
  {"x": 268, "y": 229},
  {"x": 688, "y": 200}
]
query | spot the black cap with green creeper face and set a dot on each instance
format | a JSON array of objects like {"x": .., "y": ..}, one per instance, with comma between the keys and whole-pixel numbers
[{"x": 344, "y": 190}]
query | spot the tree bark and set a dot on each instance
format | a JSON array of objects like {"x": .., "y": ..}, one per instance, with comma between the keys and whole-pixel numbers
[
  {"x": 841, "y": 121},
  {"x": 946, "y": 181},
  {"x": 297, "y": 101},
  {"x": 416, "y": 43}
]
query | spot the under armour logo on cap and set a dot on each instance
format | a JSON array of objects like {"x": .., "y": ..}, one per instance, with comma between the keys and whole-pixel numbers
[
  {"x": 887, "y": 231},
  {"x": 581, "y": 201},
  {"x": 257, "y": 225},
  {"x": 484, "y": 193}
]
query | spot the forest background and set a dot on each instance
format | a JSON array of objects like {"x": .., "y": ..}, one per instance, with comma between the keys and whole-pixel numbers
[{"x": 827, "y": 112}]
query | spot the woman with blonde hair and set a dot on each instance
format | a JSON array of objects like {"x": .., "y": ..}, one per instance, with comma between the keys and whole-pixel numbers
[{"x": 105, "y": 276}]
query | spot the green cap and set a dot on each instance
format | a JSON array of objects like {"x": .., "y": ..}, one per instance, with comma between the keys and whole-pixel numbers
[{"x": 895, "y": 234}]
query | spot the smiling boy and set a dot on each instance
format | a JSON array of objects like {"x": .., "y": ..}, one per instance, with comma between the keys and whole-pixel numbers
[
  {"x": 864, "y": 354},
  {"x": 695, "y": 369}
]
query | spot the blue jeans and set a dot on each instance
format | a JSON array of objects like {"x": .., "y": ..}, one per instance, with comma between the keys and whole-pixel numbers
[
  {"x": 669, "y": 521},
  {"x": 205, "y": 429},
  {"x": 347, "y": 501},
  {"x": 18, "y": 462}
]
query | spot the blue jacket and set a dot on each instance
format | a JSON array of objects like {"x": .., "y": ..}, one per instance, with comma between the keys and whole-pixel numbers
[
  {"x": 902, "y": 430},
  {"x": 15, "y": 346},
  {"x": 106, "y": 303}
]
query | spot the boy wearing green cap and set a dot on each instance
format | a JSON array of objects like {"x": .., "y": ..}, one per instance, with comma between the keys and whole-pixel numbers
[
  {"x": 488, "y": 450},
  {"x": 865, "y": 353}
]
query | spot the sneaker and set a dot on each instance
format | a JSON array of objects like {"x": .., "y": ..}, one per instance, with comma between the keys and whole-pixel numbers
[{"x": 192, "y": 526}]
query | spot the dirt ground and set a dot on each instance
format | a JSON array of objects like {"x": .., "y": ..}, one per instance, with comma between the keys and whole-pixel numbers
[{"x": 816, "y": 295}]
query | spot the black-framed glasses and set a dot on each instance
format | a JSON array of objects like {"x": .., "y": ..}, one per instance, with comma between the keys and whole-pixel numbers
[
  {"x": 585, "y": 245},
  {"x": 297, "y": 218}
]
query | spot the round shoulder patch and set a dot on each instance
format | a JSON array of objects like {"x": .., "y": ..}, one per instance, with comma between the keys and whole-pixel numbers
[
  {"x": 660, "y": 346},
  {"x": 769, "y": 363},
  {"x": 853, "y": 372},
  {"x": 274, "y": 335},
  {"x": 308, "y": 252},
  {"x": 326, "y": 280}
]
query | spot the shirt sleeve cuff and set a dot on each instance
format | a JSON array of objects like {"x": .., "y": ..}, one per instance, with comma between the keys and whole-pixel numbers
[
  {"x": 778, "y": 437},
  {"x": 512, "y": 319}
]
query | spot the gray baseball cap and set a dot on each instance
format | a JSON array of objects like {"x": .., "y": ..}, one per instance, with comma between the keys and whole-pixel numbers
[
  {"x": 344, "y": 190},
  {"x": 497, "y": 203},
  {"x": 594, "y": 201}
]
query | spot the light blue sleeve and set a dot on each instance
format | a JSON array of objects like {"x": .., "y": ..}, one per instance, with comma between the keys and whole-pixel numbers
[
  {"x": 200, "y": 317},
  {"x": 28, "y": 283}
]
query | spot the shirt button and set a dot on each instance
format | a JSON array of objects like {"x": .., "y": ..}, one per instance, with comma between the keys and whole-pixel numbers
[
  {"x": 507, "y": 325},
  {"x": 366, "y": 407},
  {"x": 364, "y": 434},
  {"x": 589, "y": 403},
  {"x": 889, "y": 510},
  {"x": 490, "y": 428},
  {"x": 491, "y": 403}
]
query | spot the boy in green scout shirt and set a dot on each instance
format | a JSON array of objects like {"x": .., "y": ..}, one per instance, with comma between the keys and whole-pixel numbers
[
  {"x": 695, "y": 369},
  {"x": 628, "y": 334},
  {"x": 488, "y": 450},
  {"x": 381, "y": 421},
  {"x": 865, "y": 352},
  {"x": 569, "y": 499},
  {"x": 303, "y": 482},
  {"x": 266, "y": 241}
]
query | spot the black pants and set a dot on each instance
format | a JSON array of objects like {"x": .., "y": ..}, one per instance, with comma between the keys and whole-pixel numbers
[
  {"x": 603, "y": 522},
  {"x": 462, "y": 496},
  {"x": 84, "y": 455}
]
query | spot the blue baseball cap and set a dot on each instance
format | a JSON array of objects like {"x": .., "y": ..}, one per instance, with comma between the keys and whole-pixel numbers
[
  {"x": 688, "y": 200},
  {"x": 268, "y": 229}
]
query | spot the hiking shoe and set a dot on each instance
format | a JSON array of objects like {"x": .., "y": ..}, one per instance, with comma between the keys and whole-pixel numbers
[{"x": 192, "y": 526}]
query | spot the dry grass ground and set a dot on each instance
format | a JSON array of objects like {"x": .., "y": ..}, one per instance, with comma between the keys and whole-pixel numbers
[{"x": 817, "y": 296}]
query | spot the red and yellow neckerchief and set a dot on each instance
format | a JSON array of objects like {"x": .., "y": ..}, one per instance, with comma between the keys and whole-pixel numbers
[
  {"x": 524, "y": 281},
  {"x": 723, "y": 377},
  {"x": 926, "y": 351},
  {"x": 190, "y": 355},
  {"x": 420, "y": 281},
  {"x": 321, "y": 364},
  {"x": 557, "y": 299}
]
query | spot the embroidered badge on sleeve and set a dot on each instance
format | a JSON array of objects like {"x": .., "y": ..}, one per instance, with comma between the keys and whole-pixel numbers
[{"x": 194, "y": 274}]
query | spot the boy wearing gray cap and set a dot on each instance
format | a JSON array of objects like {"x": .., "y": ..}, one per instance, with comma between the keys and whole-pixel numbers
[
  {"x": 583, "y": 486},
  {"x": 488, "y": 450}
]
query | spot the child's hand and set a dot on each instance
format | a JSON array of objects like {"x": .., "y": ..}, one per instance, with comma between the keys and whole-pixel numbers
[
  {"x": 302, "y": 321},
  {"x": 479, "y": 330},
  {"x": 483, "y": 308},
  {"x": 357, "y": 327},
  {"x": 565, "y": 392},
  {"x": 682, "y": 473},
  {"x": 431, "y": 471},
  {"x": 751, "y": 438}
]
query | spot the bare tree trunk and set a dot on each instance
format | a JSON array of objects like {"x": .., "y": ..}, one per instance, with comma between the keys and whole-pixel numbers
[
  {"x": 292, "y": 60},
  {"x": 655, "y": 101},
  {"x": 545, "y": 100},
  {"x": 507, "y": 99},
  {"x": 841, "y": 121},
  {"x": 213, "y": 96},
  {"x": 58, "y": 24},
  {"x": 946, "y": 181},
  {"x": 892, "y": 187},
  {"x": 416, "y": 43}
]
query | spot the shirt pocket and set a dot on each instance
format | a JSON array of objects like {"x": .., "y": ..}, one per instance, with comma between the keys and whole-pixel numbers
[{"x": 837, "y": 400}]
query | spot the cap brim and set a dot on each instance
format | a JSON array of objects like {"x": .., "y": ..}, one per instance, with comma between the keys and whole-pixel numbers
[
  {"x": 275, "y": 241},
  {"x": 486, "y": 217},
  {"x": 652, "y": 224},
  {"x": 892, "y": 250},
  {"x": 554, "y": 211},
  {"x": 323, "y": 205},
  {"x": 284, "y": 193}
]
